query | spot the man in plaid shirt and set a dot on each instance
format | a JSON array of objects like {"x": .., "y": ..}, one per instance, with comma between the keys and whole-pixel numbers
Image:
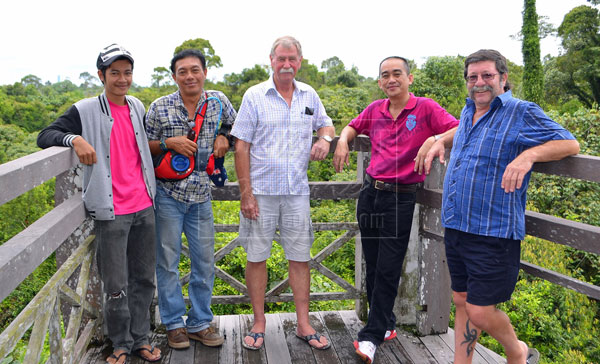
[{"x": 185, "y": 205}]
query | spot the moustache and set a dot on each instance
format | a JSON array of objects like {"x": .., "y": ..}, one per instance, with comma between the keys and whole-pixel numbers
[
  {"x": 482, "y": 88},
  {"x": 286, "y": 70}
]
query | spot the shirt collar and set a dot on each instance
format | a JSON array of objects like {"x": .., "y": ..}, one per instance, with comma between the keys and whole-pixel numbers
[
  {"x": 298, "y": 86},
  {"x": 500, "y": 99},
  {"x": 411, "y": 104},
  {"x": 179, "y": 99}
]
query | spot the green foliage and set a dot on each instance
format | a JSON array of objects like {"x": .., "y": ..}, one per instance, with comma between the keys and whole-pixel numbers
[
  {"x": 161, "y": 74},
  {"x": 344, "y": 103},
  {"x": 442, "y": 79},
  {"x": 533, "y": 77},
  {"x": 212, "y": 60},
  {"x": 577, "y": 70}
]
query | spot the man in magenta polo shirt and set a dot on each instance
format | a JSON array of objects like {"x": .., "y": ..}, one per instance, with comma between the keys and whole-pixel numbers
[{"x": 402, "y": 128}]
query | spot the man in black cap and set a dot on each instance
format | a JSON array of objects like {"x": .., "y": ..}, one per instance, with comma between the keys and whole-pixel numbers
[{"x": 107, "y": 134}]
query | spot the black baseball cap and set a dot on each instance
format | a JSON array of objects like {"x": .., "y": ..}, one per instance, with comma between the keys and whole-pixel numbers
[{"x": 110, "y": 54}]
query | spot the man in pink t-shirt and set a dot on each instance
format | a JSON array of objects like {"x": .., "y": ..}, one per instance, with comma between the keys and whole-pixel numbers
[
  {"x": 107, "y": 134},
  {"x": 402, "y": 128}
]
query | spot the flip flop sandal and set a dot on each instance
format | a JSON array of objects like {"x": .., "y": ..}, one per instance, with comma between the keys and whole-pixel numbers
[
  {"x": 255, "y": 336},
  {"x": 138, "y": 353},
  {"x": 533, "y": 356},
  {"x": 118, "y": 357},
  {"x": 314, "y": 336}
]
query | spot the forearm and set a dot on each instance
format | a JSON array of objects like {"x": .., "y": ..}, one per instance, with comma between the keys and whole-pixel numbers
[
  {"x": 326, "y": 130},
  {"x": 348, "y": 134},
  {"x": 447, "y": 138},
  {"x": 242, "y": 166},
  {"x": 552, "y": 150}
]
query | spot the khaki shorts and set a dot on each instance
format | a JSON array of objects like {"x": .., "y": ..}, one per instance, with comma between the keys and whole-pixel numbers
[{"x": 289, "y": 213}]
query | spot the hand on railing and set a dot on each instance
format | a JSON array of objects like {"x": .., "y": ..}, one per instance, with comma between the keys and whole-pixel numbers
[{"x": 85, "y": 152}]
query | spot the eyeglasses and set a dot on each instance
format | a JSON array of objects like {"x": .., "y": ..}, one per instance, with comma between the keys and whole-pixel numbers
[{"x": 484, "y": 76}]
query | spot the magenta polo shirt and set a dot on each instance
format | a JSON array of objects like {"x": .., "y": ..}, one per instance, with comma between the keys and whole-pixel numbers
[{"x": 395, "y": 143}]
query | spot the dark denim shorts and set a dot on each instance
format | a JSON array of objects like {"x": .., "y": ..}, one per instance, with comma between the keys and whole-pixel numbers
[{"x": 485, "y": 267}]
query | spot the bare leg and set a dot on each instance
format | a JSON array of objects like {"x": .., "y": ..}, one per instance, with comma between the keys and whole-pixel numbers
[
  {"x": 497, "y": 324},
  {"x": 300, "y": 283},
  {"x": 465, "y": 332},
  {"x": 256, "y": 281}
]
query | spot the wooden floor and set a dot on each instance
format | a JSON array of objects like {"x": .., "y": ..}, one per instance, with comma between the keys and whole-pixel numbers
[{"x": 282, "y": 346}]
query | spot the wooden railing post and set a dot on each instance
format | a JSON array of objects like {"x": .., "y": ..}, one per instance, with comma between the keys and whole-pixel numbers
[
  {"x": 434, "y": 294},
  {"x": 360, "y": 270},
  {"x": 67, "y": 184}
]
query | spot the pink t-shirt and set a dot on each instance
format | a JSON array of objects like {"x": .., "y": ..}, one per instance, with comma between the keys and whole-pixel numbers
[
  {"x": 129, "y": 189},
  {"x": 395, "y": 143}
]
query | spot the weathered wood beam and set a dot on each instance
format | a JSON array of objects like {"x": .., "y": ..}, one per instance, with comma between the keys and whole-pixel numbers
[
  {"x": 562, "y": 280},
  {"x": 23, "y": 174},
  {"x": 22, "y": 254}
]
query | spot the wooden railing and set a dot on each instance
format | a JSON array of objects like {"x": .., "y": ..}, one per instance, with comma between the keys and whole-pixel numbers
[{"x": 74, "y": 291}]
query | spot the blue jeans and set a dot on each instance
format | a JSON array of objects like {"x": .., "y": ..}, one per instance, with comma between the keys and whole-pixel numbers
[
  {"x": 126, "y": 259},
  {"x": 195, "y": 220},
  {"x": 385, "y": 220}
]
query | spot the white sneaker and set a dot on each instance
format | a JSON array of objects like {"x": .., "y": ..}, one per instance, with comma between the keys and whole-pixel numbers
[
  {"x": 366, "y": 350},
  {"x": 389, "y": 335}
]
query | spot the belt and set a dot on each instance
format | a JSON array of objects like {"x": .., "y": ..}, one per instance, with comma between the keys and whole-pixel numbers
[{"x": 392, "y": 187}]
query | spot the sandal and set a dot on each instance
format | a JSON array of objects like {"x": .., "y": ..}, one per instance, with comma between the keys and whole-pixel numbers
[
  {"x": 533, "y": 356},
  {"x": 138, "y": 353},
  {"x": 314, "y": 336},
  {"x": 255, "y": 336},
  {"x": 117, "y": 358}
]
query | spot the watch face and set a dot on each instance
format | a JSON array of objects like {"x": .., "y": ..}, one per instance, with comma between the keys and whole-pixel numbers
[{"x": 327, "y": 138}]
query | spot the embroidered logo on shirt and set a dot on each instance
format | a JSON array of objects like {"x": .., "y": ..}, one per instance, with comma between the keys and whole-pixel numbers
[{"x": 411, "y": 122}]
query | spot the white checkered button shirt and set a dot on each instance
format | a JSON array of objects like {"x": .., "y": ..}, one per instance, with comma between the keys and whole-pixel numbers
[{"x": 280, "y": 136}]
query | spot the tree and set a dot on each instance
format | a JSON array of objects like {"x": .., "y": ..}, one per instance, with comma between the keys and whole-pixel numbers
[
  {"x": 88, "y": 80},
  {"x": 533, "y": 77},
  {"x": 309, "y": 73},
  {"x": 203, "y": 45},
  {"x": 441, "y": 78},
  {"x": 32, "y": 80},
  {"x": 580, "y": 62},
  {"x": 160, "y": 74}
]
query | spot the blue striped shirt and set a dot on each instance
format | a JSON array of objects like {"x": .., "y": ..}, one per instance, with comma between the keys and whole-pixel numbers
[
  {"x": 474, "y": 200},
  {"x": 280, "y": 136}
]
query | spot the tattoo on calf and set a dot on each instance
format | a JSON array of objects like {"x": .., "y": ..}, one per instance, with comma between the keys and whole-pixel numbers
[{"x": 470, "y": 339}]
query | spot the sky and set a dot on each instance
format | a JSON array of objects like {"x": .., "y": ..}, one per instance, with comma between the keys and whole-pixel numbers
[{"x": 58, "y": 40}]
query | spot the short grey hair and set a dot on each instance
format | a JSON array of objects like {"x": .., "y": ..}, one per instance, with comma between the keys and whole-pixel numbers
[{"x": 286, "y": 42}]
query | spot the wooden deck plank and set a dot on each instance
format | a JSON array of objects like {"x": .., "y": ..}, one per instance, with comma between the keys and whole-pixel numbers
[
  {"x": 275, "y": 344},
  {"x": 250, "y": 356},
  {"x": 415, "y": 349},
  {"x": 341, "y": 339},
  {"x": 231, "y": 350},
  {"x": 283, "y": 347},
  {"x": 327, "y": 356},
  {"x": 299, "y": 351},
  {"x": 438, "y": 348},
  {"x": 206, "y": 353}
]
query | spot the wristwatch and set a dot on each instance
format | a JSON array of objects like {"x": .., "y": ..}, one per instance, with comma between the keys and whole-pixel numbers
[
  {"x": 327, "y": 138},
  {"x": 163, "y": 146}
]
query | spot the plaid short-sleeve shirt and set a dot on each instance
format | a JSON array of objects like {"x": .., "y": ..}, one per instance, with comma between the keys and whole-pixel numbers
[{"x": 167, "y": 117}]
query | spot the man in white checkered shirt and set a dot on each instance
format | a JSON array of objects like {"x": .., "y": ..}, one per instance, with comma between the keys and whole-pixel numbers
[{"x": 274, "y": 129}]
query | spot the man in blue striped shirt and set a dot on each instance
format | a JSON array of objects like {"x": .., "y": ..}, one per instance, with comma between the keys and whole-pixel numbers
[{"x": 498, "y": 140}]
